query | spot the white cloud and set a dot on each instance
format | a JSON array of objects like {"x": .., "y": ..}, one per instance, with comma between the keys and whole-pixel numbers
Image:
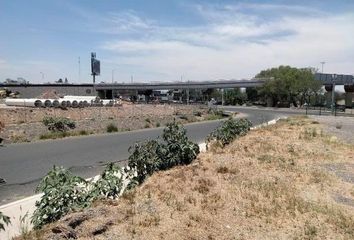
[{"x": 237, "y": 45}]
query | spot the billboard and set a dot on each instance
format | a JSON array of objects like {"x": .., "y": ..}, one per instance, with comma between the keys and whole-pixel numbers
[{"x": 95, "y": 65}]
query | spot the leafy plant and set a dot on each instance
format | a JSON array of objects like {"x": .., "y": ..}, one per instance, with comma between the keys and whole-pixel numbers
[
  {"x": 58, "y": 124},
  {"x": 178, "y": 148},
  {"x": 111, "y": 128},
  {"x": 109, "y": 184},
  {"x": 153, "y": 155},
  {"x": 4, "y": 220},
  {"x": 145, "y": 159},
  {"x": 62, "y": 193},
  {"x": 228, "y": 131}
]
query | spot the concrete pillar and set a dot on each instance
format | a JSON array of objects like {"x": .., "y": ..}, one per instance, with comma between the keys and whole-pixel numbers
[
  {"x": 222, "y": 97},
  {"x": 349, "y": 89},
  {"x": 187, "y": 96},
  {"x": 328, "y": 94}
]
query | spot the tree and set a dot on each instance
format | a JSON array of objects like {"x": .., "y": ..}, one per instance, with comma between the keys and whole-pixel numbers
[
  {"x": 289, "y": 85},
  {"x": 235, "y": 96}
]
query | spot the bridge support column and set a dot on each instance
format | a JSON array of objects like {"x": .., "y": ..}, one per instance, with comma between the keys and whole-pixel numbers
[
  {"x": 222, "y": 97},
  {"x": 349, "y": 89},
  {"x": 329, "y": 89}
]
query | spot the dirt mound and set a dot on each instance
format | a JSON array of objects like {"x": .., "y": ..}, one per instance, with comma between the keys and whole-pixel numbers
[{"x": 49, "y": 94}]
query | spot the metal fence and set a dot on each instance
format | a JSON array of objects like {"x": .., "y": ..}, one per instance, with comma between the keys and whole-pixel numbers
[{"x": 337, "y": 111}]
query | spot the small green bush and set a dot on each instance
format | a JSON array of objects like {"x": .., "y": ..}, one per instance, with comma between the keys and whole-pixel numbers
[
  {"x": 178, "y": 148},
  {"x": 153, "y": 155},
  {"x": 111, "y": 128},
  {"x": 62, "y": 193},
  {"x": 183, "y": 117},
  {"x": 4, "y": 220},
  {"x": 145, "y": 158},
  {"x": 83, "y": 132},
  {"x": 54, "y": 135},
  {"x": 110, "y": 183},
  {"x": 158, "y": 124},
  {"x": 198, "y": 114},
  {"x": 228, "y": 131},
  {"x": 58, "y": 124}
]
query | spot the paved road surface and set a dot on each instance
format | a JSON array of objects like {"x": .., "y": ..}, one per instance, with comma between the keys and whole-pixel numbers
[{"x": 23, "y": 165}]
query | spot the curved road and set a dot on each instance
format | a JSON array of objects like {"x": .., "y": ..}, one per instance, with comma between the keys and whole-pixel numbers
[{"x": 23, "y": 165}]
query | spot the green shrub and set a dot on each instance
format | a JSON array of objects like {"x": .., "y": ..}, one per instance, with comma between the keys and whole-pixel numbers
[
  {"x": 215, "y": 114},
  {"x": 58, "y": 124},
  {"x": 178, "y": 148},
  {"x": 228, "y": 131},
  {"x": 110, "y": 183},
  {"x": 153, "y": 155},
  {"x": 158, "y": 124},
  {"x": 4, "y": 220},
  {"x": 54, "y": 135},
  {"x": 145, "y": 159},
  {"x": 111, "y": 128},
  {"x": 198, "y": 114},
  {"x": 62, "y": 193},
  {"x": 183, "y": 117},
  {"x": 83, "y": 132}
]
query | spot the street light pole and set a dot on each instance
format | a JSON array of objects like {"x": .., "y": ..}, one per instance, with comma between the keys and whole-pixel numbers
[
  {"x": 322, "y": 63},
  {"x": 42, "y": 75}
]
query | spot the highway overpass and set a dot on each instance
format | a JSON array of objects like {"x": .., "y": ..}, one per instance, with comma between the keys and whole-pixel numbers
[{"x": 34, "y": 90}]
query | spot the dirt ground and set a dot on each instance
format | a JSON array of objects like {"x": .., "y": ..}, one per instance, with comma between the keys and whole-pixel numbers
[
  {"x": 278, "y": 182},
  {"x": 341, "y": 127},
  {"x": 25, "y": 124}
]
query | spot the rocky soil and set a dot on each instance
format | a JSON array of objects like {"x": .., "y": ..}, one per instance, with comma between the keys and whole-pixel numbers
[{"x": 24, "y": 124}]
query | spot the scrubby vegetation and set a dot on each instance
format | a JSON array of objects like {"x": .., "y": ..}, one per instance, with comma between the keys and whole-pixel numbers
[
  {"x": 111, "y": 128},
  {"x": 63, "y": 192},
  {"x": 58, "y": 124},
  {"x": 4, "y": 220},
  {"x": 228, "y": 131}
]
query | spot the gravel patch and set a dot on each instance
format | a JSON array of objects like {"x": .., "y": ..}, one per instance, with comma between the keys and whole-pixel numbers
[{"x": 341, "y": 127}]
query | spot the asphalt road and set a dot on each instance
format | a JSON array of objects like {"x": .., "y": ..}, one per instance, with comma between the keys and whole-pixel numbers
[{"x": 23, "y": 165}]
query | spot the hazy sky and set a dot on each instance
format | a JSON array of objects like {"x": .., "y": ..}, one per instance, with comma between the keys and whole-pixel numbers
[{"x": 162, "y": 40}]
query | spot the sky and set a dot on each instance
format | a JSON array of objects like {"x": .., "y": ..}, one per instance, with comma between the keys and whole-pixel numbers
[{"x": 172, "y": 40}]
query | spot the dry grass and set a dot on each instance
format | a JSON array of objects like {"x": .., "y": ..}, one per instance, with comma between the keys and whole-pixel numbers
[{"x": 270, "y": 184}]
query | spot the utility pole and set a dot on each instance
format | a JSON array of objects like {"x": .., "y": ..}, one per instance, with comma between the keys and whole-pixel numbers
[
  {"x": 112, "y": 75},
  {"x": 42, "y": 76},
  {"x": 322, "y": 63}
]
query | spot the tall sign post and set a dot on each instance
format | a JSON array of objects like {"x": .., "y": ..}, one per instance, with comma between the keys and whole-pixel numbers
[{"x": 95, "y": 67}]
